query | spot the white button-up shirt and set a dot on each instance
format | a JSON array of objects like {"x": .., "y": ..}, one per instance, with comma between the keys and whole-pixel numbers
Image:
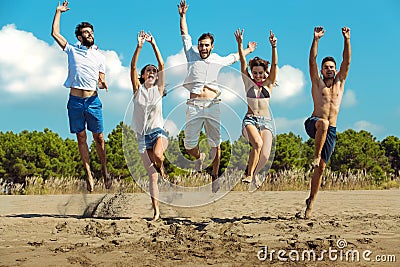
[
  {"x": 84, "y": 66},
  {"x": 203, "y": 72}
]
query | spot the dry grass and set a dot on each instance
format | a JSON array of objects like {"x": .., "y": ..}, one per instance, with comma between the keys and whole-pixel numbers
[{"x": 295, "y": 179}]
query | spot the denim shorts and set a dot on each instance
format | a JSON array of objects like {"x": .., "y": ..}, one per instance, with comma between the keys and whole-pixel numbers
[
  {"x": 85, "y": 111},
  {"x": 260, "y": 122},
  {"x": 148, "y": 141},
  {"x": 330, "y": 141}
]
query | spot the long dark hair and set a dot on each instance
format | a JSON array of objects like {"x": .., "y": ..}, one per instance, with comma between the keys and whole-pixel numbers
[{"x": 141, "y": 79}]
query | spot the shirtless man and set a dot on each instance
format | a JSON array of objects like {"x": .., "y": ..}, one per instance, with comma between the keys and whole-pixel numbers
[
  {"x": 86, "y": 73},
  {"x": 327, "y": 93},
  {"x": 203, "y": 106}
]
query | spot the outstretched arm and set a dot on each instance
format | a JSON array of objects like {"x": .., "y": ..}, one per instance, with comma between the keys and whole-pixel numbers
[
  {"x": 182, "y": 9},
  {"x": 318, "y": 33},
  {"x": 243, "y": 52},
  {"x": 141, "y": 37},
  {"x": 344, "y": 67},
  {"x": 55, "y": 29},
  {"x": 274, "y": 63},
  {"x": 161, "y": 78}
]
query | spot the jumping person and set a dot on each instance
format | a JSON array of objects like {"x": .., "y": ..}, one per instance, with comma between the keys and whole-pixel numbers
[
  {"x": 86, "y": 74},
  {"x": 148, "y": 90},
  {"x": 203, "y": 108},
  {"x": 327, "y": 92},
  {"x": 257, "y": 126}
]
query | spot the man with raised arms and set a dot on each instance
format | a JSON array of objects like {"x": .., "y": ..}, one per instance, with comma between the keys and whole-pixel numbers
[
  {"x": 327, "y": 92},
  {"x": 203, "y": 106}
]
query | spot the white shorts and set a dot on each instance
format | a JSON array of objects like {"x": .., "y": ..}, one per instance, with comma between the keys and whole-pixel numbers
[{"x": 199, "y": 114}]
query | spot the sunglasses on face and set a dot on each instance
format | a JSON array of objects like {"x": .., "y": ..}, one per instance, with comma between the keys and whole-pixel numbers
[{"x": 87, "y": 32}]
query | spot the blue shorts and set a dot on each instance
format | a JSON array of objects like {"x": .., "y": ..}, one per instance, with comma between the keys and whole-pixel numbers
[
  {"x": 330, "y": 141},
  {"x": 260, "y": 122},
  {"x": 85, "y": 111},
  {"x": 148, "y": 141}
]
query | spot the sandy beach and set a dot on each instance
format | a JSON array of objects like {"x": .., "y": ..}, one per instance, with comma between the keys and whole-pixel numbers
[{"x": 240, "y": 229}]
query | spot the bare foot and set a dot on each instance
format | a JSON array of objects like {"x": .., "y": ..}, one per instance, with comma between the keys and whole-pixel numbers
[
  {"x": 247, "y": 179},
  {"x": 255, "y": 184},
  {"x": 316, "y": 161},
  {"x": 162, "y": 172},
  {"x": 215, "y": 183},
  {"x": 156, "y": 217},
  {"x": 107, "y": 180},
  {"x": 89, "y": 183},
  {"x": 307, "y": 213}
]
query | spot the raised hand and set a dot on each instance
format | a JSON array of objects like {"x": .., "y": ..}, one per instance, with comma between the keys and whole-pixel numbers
[
  {"x": 252, "y": 46},
  {"x": 150, "y": 38},
  {"x": 182, "y": 7},
  {"x": 272, "y": 39},
  {"x": 239, "y": 36},
  {"x": 346, "y": 32},
  {"x": 141, "y": 38},
  {"x": 64, "y": 7},
  {"x": 318, "y": 32}
]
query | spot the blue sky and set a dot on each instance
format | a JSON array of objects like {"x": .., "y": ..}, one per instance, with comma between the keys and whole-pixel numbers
[{"x": 33, "y": 68}]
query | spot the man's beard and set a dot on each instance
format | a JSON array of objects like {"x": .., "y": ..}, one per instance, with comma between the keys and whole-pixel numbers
[
  {"x": 208, "y": 54},
  {"x": 86, "y": 42}
]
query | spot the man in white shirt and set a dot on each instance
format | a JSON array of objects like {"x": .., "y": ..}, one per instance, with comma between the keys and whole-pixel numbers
[
  {"x": 86, "y": 73},
  {"x": 203, "y": 106}
]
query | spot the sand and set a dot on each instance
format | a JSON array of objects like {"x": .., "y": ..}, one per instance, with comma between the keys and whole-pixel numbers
[{"x": 240, "y": 229}]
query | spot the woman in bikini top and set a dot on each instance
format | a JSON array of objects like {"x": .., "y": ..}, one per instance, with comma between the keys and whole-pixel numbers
[{"x": 258, "y": 84}]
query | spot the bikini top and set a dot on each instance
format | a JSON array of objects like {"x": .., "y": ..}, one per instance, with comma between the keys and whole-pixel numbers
[{"x": 251, "y": 93}]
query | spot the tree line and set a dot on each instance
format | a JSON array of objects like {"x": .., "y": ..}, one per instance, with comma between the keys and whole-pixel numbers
[{"x": 46, "y": 154}]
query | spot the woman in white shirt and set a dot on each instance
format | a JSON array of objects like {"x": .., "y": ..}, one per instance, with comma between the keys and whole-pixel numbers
[{"x": 148, "y": 90}]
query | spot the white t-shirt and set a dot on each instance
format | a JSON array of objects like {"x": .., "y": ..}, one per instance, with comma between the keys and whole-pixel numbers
[
  {"x": 203, "y": 72},
  {"x": 84, "y": 66},
  {"x": 147, "y": 110}
]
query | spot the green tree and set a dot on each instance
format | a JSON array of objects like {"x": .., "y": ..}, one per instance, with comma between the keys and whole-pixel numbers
[
  {"x": 35, "y": 153},
  {"x": 360, "y": 151},
  {"x": 391, "y": 145},
  {"x": 290, "y": 152},
  {"x": 240, "y": 153},
  {"x": 123, "y": 158},
  {"x": 226, "y": 149}
]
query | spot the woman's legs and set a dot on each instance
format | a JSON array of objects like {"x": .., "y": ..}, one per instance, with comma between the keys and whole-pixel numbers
[
  {"x": 153, "y": 175},
  {"x": 254, "y": 137},
  {"x": 266, "y": 136},
  {"x": 158, "y": 155}
]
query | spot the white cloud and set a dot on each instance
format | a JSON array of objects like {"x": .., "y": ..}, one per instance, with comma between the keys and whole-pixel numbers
[
  {"x": 171, "y": 127},
  {"x": 176, "y": 64},
  {"x": 349, "y": 99},
  {"x": 291, "y": 83},
  {"x": 368, "y": 126},
  {"x": 28, "y": 64},
  {"x": 232, "y": 86},
  {"x": 291, "y": 80},
  {"x": 116, "y": 74}
]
